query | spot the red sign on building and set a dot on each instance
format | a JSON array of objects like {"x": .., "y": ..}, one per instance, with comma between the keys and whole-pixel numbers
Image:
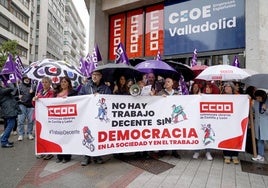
[
  {"x": 154, "y": 33},
  {"x": 128, "y": 28},
  {"x": 134, "y": 36},
  {"x": 117, "y": 33}
]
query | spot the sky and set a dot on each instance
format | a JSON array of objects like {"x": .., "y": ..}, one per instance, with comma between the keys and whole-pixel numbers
[{"x": 82, "y": 11}]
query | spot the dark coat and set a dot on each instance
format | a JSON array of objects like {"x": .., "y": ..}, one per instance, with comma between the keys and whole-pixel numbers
[
  {"x": 8, "y": 103},
  {"x": 27, "y": 97},
  {"x": 91, "y": 88}
]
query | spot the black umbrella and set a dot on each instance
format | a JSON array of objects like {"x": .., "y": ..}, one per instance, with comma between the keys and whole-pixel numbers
[
  {"x": 113, "y": 71},
  {"x": 184, "y": 69}
]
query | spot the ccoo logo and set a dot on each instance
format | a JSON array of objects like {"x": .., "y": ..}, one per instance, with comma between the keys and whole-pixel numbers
[
  {"x": 62, "y": 110},
  {"x": 216, "y": 107}
]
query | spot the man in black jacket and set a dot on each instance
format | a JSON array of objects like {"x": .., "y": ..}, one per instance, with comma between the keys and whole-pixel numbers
[{"x": 94, "y": 86}]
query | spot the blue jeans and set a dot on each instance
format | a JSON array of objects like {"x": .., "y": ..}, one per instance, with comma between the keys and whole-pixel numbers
[
  {"x": 10, "y": 122},
  {"x": 26, "y": 113},
  {"x": 260, "y": 144}
]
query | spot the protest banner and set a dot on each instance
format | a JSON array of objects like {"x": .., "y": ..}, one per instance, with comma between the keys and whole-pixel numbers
[{"x": 104, "y": 124}]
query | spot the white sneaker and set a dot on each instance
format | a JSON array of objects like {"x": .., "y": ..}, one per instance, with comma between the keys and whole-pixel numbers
[
  {"x": 209, "y": 157},
  {"x": 20, "y": 138},
  {"x": 30, "y": 136},
  {"x": 258, "y": 158},
  {"x": 196, "y": 155},
  {"x": 14, "y": 133}
]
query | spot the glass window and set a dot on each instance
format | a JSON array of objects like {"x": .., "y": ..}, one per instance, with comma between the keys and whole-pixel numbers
[
  {"x": 38, "y": 9},
  {"x": 4, "y": 22},
  {"x": 228, "y": 59}
]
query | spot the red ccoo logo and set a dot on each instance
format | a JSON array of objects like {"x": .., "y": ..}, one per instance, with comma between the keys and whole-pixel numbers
[
  {"x": 62, "y": 110},
  {"x": 216, "y": 107}
]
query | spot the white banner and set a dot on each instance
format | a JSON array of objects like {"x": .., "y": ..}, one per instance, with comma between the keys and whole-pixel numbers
[{"x": 105, "y": 124}]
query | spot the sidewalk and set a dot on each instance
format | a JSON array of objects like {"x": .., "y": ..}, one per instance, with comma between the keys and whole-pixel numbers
[{"x": 20, "y": 168}]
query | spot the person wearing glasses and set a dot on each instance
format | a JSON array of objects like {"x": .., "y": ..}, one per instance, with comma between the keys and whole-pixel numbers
[{"x": 94, "y": 86}]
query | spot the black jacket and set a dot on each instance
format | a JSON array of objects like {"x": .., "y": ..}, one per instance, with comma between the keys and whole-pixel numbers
[
  {"x": 8, "y": 103},
  {"x": 27, "y": 97},
  {"x": 91, "y": 88}
]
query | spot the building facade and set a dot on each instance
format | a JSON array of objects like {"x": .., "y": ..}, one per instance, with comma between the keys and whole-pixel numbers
[
  {"x": 74, "y": 35},
  {"x": 15, "y": 24},
  {"x": 43, "y": 29},
  {"x": 219, "y": 30}
]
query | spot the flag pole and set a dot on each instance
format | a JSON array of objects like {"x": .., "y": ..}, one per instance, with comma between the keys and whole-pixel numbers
[{"x": 252, "y": 127}]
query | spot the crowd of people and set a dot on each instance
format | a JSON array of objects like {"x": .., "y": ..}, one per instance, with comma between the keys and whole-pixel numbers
[{"x": 17, "y": 105}]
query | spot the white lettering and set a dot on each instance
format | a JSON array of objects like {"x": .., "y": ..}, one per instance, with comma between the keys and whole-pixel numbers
[
  {"x": 134, "y": 34},
  {"x": 193, "y": 14},
  {"x": 117, "y": 33},
  {"x": 154, "y": 30},
  {"x": 207, "y": 26}
]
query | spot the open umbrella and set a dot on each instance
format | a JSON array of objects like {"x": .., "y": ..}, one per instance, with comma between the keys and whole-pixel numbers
[
  {"x": 113, "y": 71},
  {"x": 223, "y": 73},
  {"x": 257, "y": 80},
  {"x": 197, "y": 69},
  {"x": 183, "y": 69},
  {"x": 159, "y": 68},
  {"x": 54, "y": 69}
]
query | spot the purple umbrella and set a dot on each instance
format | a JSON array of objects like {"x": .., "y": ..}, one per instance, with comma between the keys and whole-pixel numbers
[{"x": 159, "y": 68}]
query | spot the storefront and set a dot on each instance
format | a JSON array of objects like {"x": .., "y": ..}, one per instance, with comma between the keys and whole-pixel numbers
[{"x": 219, "y": 30}]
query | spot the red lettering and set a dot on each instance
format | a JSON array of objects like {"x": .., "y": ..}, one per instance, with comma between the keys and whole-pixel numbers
[
  {"x": 146, "y": 134},
  {"x": 136, "y": 134},
  {"x": 102, "y": 136},
  {"x": 165, "y": 134}
]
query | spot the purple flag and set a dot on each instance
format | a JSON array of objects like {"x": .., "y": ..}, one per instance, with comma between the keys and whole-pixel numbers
[
  {"x": 90, "y": 65},
  {"x": 9, "y": 70},
  {"x": 87, "y": 66},
  {"x": 194, "y": 59},
  {"x": 158, "y": 56},
  {"x": 96, "y": 56},
  {"x": 121, "y": 56},
  {"x": 183, "y": 89},
  {"x": 84, "y": 67},
  {"x": 9, "y": 66},
  {"x": 236, "y": 62},
  {"x": 19, "y": 67},
  {"x": 36, "y": 86}
]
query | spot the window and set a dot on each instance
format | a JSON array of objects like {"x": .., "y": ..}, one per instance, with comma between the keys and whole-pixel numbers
[
  {"x": 37, "y": 24},
  {"x": 4, "y": 22},
  {"x": 4, "y": 3}
]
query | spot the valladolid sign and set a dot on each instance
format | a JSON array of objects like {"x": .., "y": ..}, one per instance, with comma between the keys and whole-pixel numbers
[{"x": 204, "y": 25}]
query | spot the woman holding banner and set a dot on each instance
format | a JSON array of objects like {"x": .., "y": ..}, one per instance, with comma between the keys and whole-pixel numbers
[
  {"x": 46, "y": 92},
  {"x": 210, "y": 88},
  {"x": 65, "y": 90},
  {"x": 229, "y": 88}
]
